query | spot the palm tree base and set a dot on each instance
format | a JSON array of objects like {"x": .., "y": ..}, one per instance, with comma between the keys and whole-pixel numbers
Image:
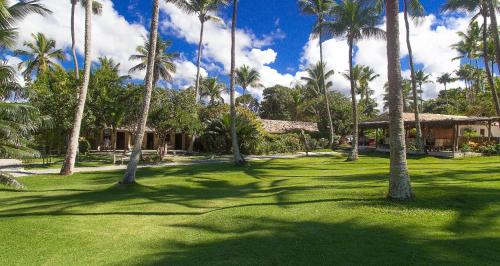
[{"x": 353, "y": 156}]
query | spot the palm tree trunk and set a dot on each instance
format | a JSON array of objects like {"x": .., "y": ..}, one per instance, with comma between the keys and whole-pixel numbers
[
  {"x": 494, "y": 24},
  {"x": 353, "y": 156},
  {"x": 238, "y": 159},
  {"x": 129, "y": 177},
  {"x": 491, "y": 82},
  {"x": 399, "y": 179},
  {"x": 69, "y": 161},
  {"x": 73, "y": 39},
  {"x": 113, "y": 135},
  {"x": 419, "y": 142},
  {"x": 198, "y": 62},
  {"x": 446, "y": 94},
  {"x": 325, "y": 90}
]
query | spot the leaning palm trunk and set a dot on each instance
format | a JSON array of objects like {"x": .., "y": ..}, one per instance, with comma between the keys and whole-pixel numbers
[
  {"x": 198, "y": 62},
  {"x": 69, "y": 162},
  {"x": 238, "y": 159},
  {"x": 419, "y": 141},
  {"x": 129, "y": 177},
  {"x": 399, "y": 179},
  {"x": 486, "y": 58},
  {"x": 353, "y": 156},
  {"x": 325, "y": 90},
  {"x": 73, "y": 39},
  {"x": 494, "y": 25}
]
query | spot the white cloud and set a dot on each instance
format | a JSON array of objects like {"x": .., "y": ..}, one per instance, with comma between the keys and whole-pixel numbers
[
  {"x": 431, "y": 41},
  {"x": 217, "y": 46}
]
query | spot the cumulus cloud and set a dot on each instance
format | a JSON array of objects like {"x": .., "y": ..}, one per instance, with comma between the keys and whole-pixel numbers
[
  {"x": 250, "y": 50},
  {"x": 431, "y": 40}
]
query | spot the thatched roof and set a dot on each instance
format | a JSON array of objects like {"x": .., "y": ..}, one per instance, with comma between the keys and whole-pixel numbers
[
  {"x": 426, "y": 118},
  {"x": 280, "y": 126}
]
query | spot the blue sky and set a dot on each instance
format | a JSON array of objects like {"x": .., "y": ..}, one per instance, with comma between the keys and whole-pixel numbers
[{"x": 273, "y": 37}]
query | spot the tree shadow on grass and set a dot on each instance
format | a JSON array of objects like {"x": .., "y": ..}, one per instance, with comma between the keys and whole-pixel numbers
[{"x": 264, "y": 241}]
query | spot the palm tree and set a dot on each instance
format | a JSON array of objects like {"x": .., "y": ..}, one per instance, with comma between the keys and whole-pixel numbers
[
  {"x": 355, "y": 20},
  {"x": 320, "y": 9},
  {"x": 164, "y": 65},
  {"x": 445, "y": 79},
  {"x": 493, "y": 9},
  {"x": 42, "y": 55},
  {"x": 416, "y": 10},
  {"x": 69, "y": 161},
  {"x": 422, "y": 78},
  {"x": 97, "y": 10},
  {"x": 129, "y": 177},
  {"x": 8, "y": 82},
  {"x": 367, "y": 75},
  {"x": 204, "y": 9},
  {"x": 247, "y": 77},
  {"x": 315, "y": 76},
  {"x": 10, "y": 15},
  {"x": 238, "y": 159},
  {"x": 399, "y": 178},
  {"x": 468, "y": 46},
  {"x": 17, "y": 122},
  {"x": 479, "y": 8},
  {"x": 211, "y": 88}
]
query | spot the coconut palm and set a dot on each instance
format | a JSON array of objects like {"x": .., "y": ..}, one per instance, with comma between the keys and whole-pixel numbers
[
  {"x": 129, "y": 177},
  {"x": 17, "y": 123},
  {"x": 415, "y": 9},
  {"x": 399, "y": 178},
  {"x": 468, "y": 47},
  {"x": 315, "y": 78},
  {"x": 164, "y": 65},
  {"x": 367, "y": 75},
  {"x": 69, "y": 161},
  {"x": 9, "y": 88},
  {"x": 247, "y": 77},
  {"x": 445, "y": 79},
  {"x": 238, "y": 159},
  {"x": 479, "y": 8},
  {"x": 212, "y": 89},
  {"x": 97, "y": 10},
  {"x": 10, "y": 15},
  {"x": 41, "y": 54},
  {"x": 493, "y": 9},
  {"x": 422, "y": 78},
  {"x": 320, "y": 9},
  {"x": 354, "y": 20},
  {"x": 204, "y": 9}
]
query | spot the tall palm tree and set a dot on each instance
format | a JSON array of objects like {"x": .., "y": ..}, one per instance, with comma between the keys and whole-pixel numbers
[
  {"x": 445, "y": 79},
  {"x": 399, "y": 178},
  {"x": 97, "y": 10},
  {"x": 10, "y": 15},
  {"x": 315, "y": 78},
  {"x": 493, "y": 9},
  {"x": 422, "y": 78},
  {"x": 164, "y": 65},
  {"x": 69, "y": 161},
  {"x": 355, "y": 20},
  {"x": 468, "y": 47},
  {"x": 212, "y": 89},
  {"x": 41, "y": 54},
  {"x": 204, "y": 9},
  {"x": 479, "y": 8},
  {"x": 129, "y": 177},
  {"x": 8, "y": 82},
  {"x": 320, "y": 9},
  {"x": 247, "y": 77},
  {"x": 238, "y": 159},
  {"x": 415, "y": 9}
]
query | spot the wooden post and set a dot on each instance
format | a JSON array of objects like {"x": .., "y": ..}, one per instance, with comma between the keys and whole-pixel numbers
[
  {"x": 376, "y": 138},
  {"x": 489, "y": 130},
  {"x": 454, "y": 149}
]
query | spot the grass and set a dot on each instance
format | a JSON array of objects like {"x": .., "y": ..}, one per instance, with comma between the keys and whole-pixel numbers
[
  {"x": 89, "y": 160},
  {"x": 314, "y": 211}
]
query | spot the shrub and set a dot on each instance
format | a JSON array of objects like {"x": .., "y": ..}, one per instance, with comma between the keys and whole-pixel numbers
[
  {"x": 83, "y": 146},
  {"x": 490, "y": 149}
]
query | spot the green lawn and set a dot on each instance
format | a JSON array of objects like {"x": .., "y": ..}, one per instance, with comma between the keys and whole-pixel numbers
[
  {"x": 314, "y": 211},
  {"x": 89, "y": 160}
]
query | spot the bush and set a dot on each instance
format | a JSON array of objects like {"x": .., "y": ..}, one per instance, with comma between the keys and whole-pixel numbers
[
  {"x": 83, "y": 146},
  {"x": 466, "y": 148},
  {"x": 283, "y": 143},
  {"x": 490, "y": 149}
]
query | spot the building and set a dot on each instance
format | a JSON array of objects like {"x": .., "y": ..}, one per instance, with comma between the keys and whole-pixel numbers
[
  {"x": 443, "y": 134},
  {"x": 180, "y": 141}
]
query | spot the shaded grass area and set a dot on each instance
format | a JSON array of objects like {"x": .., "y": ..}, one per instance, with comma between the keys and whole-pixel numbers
[
  {"x": 314, "y": 211},
  {"x": 88, "y": 160}
]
